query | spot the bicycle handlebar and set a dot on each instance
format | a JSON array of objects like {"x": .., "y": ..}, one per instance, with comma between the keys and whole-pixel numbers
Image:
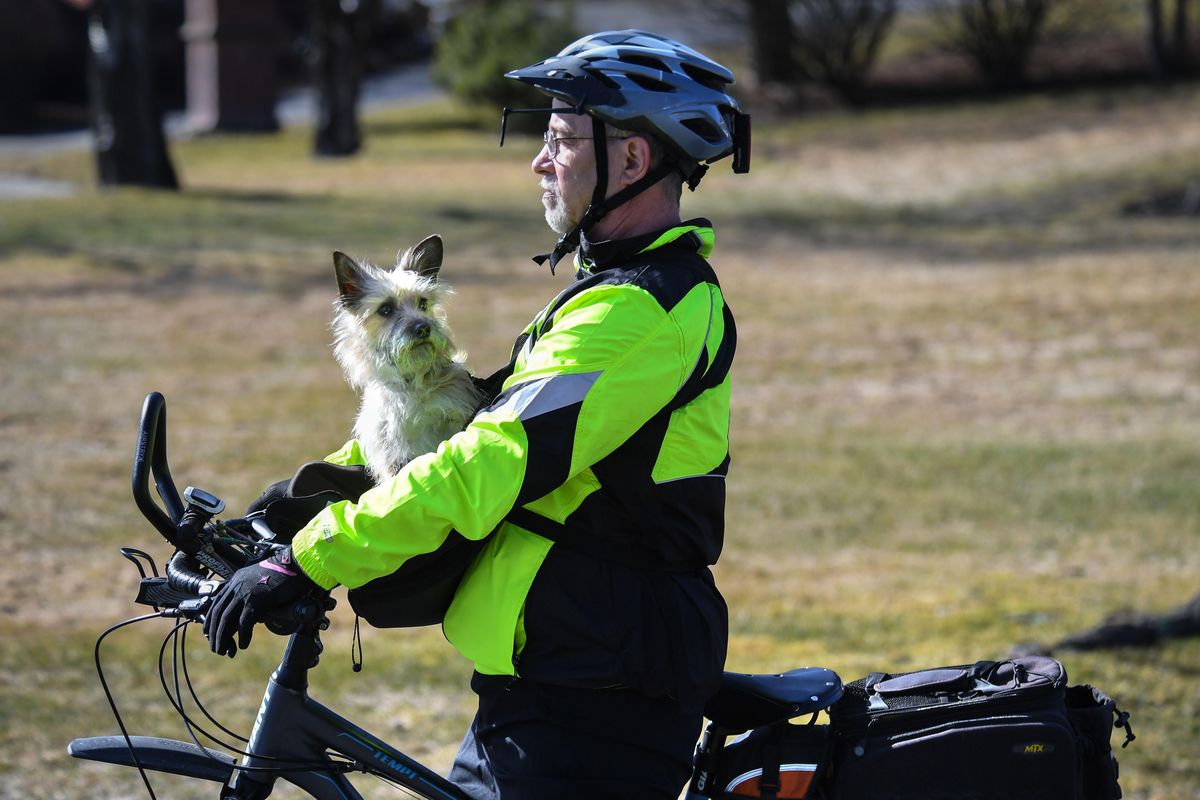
[
  {"x": 183, "y": 574},
  {"x": 188, "y": 572},
  {"x": 150, "y": 458}
]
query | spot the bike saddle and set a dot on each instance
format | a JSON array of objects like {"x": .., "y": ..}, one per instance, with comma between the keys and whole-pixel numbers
[{"x": 751, "y": 701}]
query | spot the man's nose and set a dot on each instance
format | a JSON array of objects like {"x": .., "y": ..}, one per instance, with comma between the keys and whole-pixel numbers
[{"x": 542, "y": 164}]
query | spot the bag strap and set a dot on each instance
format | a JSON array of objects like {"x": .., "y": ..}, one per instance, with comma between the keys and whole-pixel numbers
[
  {"x": 770, "y": 782},
  {"x": 982, "y": 668}
]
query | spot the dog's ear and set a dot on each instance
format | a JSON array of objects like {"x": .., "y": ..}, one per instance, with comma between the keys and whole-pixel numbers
[
  {"x": 349, "y": 278},
  {"x": 424, "y": 258}
]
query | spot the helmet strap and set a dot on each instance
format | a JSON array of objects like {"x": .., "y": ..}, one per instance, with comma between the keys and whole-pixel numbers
[{"x": 600, "y": 147}]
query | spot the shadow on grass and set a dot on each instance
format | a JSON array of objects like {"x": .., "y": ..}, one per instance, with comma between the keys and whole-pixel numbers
[
  {"x": 253, "y": 196},
  {"x": 433, "y": 123},
  {"x": 1183, "y": 201},
  {"x": 1065, "y": 220},
  {"x": 428, "y": 126}
]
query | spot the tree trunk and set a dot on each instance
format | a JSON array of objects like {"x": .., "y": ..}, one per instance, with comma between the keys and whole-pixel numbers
[
  {"x": 126, "y": 123},
  {"x": 1169, "y": 56},
  {"x": 773, "y": 41},
  {"x": 1182, "y": 56},
  {"x": 340, "y": 30}
]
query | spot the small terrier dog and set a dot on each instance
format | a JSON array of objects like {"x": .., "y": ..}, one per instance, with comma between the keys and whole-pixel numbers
[{"x": 393, "y": 344}]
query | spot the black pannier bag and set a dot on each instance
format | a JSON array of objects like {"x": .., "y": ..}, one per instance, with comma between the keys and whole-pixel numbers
[
  {"x": 1008, "y": 729},
  {"x": 416, "y": 594}
]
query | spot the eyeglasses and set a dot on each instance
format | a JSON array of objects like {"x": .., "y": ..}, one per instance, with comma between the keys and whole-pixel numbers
[{"x": 551, "y": 141}]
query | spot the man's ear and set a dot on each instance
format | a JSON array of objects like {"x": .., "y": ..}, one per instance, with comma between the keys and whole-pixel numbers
[
  {"x": 424, "y": 258},
  {"x": 349, "y": 278},
  {"x": 635, "y": 159}
]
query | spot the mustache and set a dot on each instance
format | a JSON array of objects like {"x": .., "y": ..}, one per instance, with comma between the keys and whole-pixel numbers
[{"x": 549, "y": 185}]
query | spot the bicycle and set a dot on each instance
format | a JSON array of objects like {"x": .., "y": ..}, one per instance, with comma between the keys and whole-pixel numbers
[{"x": 295, "y": 738}]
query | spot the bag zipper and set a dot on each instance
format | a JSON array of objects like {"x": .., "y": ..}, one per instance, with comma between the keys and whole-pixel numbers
[{"x": 1030, "y": 698}]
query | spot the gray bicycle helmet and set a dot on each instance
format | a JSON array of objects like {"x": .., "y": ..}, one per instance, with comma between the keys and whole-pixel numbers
[{"x": 643, "y": 82}]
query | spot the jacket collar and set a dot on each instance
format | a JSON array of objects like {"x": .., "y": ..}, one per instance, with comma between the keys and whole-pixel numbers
[{"x": 695, "y": 234}]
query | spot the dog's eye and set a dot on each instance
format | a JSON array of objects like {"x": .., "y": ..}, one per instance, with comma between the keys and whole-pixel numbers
[
  {"x": 386, "y": 310},
  {"x": 423, "y": 304}
]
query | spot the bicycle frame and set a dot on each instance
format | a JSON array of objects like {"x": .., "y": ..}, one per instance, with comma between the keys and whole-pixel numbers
[
  {"x": 295, "y": 737},
  {"x": 291, "y": 728}
]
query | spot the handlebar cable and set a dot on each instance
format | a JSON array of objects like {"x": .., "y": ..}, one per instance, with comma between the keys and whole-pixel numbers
[
  {"x": 187, "y": 679},
  {"x": 112, "y": 703},
  {"x": 390, "y": 782},
  {"x": 335, "y": 761},
  {"x": 190, "y": 725},
  {"x": 176, "y": 699}
]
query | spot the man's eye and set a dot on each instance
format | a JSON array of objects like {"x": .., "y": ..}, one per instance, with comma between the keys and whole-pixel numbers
[
  {"x": 386, "y": 310},
  {"x": 423, "y": 304}
]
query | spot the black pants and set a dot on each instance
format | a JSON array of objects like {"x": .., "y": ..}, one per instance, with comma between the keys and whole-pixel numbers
[{"x": 534, "y": 741}]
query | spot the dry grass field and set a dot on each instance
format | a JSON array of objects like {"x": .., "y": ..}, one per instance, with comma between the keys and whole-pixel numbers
[{"x": 966, "y": 409}]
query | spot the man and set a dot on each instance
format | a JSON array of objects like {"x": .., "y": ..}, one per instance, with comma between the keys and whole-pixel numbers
[{"x": 597, "y": 474}]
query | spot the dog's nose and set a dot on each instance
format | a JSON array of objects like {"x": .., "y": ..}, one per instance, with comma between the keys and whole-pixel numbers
[{"x": 421, "y": 330}]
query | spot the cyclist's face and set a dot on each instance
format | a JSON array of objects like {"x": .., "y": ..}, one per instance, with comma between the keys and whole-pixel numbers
[{"x": 569, "y": 176}]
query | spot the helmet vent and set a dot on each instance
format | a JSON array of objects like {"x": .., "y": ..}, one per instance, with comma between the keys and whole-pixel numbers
[
  {"x": 704, "y": 77},
  {"x": 650, "y": 84},
  {"x": 604, "y": 79},
  {"x": 644, "y": 61},
  {"x": 704, "y": 129}
]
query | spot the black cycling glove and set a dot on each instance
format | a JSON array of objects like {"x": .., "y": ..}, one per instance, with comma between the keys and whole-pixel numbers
[
  {"x": 274, "y": 492},
  {"x": 248, "y": 594}
]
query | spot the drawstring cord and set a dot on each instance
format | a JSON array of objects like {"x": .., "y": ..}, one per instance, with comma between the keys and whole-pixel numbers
[{"x": 356, "y": 653}]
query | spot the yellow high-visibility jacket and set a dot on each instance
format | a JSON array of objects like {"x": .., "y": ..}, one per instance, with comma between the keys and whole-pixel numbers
[{"x": 597, "y": 476}]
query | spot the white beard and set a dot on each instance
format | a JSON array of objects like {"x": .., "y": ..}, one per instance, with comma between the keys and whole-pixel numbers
[{"x": 557, "y": 216}]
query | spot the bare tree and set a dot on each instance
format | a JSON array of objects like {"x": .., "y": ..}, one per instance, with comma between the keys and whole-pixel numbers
[
  {"x": 998, "y": 36},
  {"x": 126, "y": 122},
  {"x": 1169, "y": 56},
  {"x": 838, "y": 40},
  {"x": 340, "y": 32}
]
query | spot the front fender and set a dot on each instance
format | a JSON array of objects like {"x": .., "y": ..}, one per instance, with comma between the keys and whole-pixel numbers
[{"x": 161, "y": 755}]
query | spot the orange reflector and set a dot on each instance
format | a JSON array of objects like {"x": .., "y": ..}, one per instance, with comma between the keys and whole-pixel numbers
[{"x": 794, "y": 780}]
